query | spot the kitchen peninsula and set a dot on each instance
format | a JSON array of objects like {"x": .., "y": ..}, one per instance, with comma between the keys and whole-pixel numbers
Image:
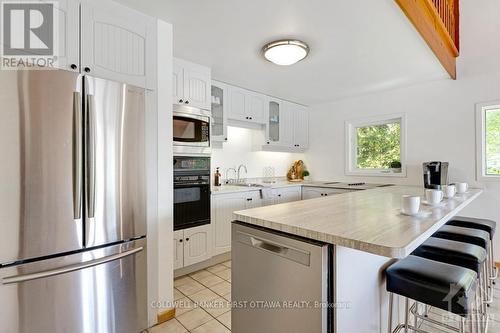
[{"x": 365, "y": 232}]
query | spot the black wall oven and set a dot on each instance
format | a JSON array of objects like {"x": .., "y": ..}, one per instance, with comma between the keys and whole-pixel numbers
[{"x": 191, "y": 191}]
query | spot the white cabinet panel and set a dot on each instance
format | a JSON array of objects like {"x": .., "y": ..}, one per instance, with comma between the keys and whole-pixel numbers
[
  {"x": 197, "y": 88},
  {"x": 219, "y": 106},
  {"x": 311, "y": 192},
  {"x": 178, "y": 83},
  {"x": 287, "y": 125},
  {"x": 237, "y": 110},
  {"x": 197, "y": 244},
  {"x": 67, "y": 51},
  {"x": 116, "y": 42},
  {"x": 301, "y": 127},
  {"x": 289, "y": 194},
  {"x": 255, "y": 107},
  {"x": 178, "y": 249}
]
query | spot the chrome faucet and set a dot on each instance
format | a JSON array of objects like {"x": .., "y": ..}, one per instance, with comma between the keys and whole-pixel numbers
[
  {"x": 227, "y": 174},
  {"x": 239, "y": 169}
]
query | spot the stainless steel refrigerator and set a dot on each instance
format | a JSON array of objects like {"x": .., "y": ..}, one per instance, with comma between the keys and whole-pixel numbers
[{"x": 72, "y": 204}]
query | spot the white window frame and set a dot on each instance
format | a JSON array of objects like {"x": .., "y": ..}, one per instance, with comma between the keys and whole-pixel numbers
[
  {"x": 481, "y": 109},
  {"x": 351, "y": 145}
]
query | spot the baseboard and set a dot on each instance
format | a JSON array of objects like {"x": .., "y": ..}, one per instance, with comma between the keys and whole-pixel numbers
[{"x": 165, "y": 316}]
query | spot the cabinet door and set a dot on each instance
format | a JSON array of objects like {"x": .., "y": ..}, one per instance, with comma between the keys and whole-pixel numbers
[
  {"x": 68, "y": 48},
  {"x": 301, "y": 127},
  {"x": 237, "y": 108},
  {"x": 255, "y": 107},
  {"x": 223, "y": 206},
  {"x": 287, "y": 125},
  {"x": 253, "y": 199},
  {"x": 219, "y": 112},
  {"x": 311, "y": 192},
  {"x": 197, "y": 244},
  {"x": 197, "y": 85},
  {"x": 117, "y": 42},
  {"x": 273, "y": 128},
  {"x": 178, "y": 83},
  {"x": 289, "y": 194},
  {"x": 178, "y": 249}
]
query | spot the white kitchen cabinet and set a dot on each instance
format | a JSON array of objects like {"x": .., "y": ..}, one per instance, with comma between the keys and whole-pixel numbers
[
  {"x": 117, "y": 43},
  {"x": 288, "y": 194},
  {"x": 178, "y": 249},
  {"x": 300, "y": 127},
  {"x": 192, "y": 84},
  {"x": 220, "y": 101},
  {"x": 68, "y": 15},
  {"x": 311, "y": 192},
  {"x": 247, "y": 106},
  {"x": 192, "y": 245},
  {"x": 291, "y": 131},
  {"x": 223, "y": 206}
]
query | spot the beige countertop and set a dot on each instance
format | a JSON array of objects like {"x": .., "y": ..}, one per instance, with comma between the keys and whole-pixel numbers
[{"x": 368, "y": 220}]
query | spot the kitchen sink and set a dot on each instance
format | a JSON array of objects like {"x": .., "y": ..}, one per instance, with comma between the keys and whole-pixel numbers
[{"x": 246, "y": 184}]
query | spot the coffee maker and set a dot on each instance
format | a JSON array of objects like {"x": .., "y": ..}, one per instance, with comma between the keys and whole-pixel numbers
[{"x": 435, "y": 174}]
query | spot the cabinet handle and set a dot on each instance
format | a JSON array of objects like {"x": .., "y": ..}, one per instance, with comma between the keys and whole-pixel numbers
[
  {"x": 267, "y": 142},
  {"x": 73, "y": 66},
  {"x": 187, "y": 239},
  {"x": 180, "y": 240},
  {"x": 186, "y": 102},
  {"x": 326, "y": 194},
  {"x": 249, "y": 199},
  {"x": 180, "y": 101},
  {"x": 87, "y": 70},
  {"x": 225, "y": 139},
  {"x": 250, "y": 117},
  {"x": 279, "y": 195}
]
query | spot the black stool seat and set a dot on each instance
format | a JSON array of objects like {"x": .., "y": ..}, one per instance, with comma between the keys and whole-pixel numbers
[
  {"x": 452, "y": 252},
  {"x": 471, "y": 222},
  {"x": 466, "y": 235},
  {"x": 434, "y": 283}
]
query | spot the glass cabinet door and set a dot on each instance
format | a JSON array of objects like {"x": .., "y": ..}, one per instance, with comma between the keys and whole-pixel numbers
[
  {"x": 274, "y": 122},
  {"x": 218, "y": 112}
]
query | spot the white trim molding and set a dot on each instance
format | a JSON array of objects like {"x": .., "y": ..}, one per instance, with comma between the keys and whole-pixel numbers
[
  {"x": 350, "y": 145},
  {"x": 481, "y": 109}
]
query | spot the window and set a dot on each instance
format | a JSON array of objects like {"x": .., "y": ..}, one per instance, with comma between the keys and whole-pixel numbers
[
  {"x": 376, "y": 146},
  {"x": 488, "y": 140}
]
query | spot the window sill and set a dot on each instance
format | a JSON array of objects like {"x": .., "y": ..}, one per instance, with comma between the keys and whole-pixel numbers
[
  {"x": 366, "y": 173},
  {"x": 483, "y": 178}
]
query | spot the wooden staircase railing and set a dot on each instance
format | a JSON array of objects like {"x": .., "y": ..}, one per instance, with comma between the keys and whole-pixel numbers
[{"x": 438, "y": 22}]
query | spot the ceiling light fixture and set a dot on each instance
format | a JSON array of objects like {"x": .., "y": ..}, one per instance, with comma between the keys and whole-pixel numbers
[{"x": 285, "y": 52}]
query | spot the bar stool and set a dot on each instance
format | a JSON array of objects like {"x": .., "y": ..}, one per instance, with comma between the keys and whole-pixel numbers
[
  {"x": 472, "y": 236},
  {"x": 444, "y": 286},
  {"x": 460, "y": 254},
  {"x": 482, "y": 224}
]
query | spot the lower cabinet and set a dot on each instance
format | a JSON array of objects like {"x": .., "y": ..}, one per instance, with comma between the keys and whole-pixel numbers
[
  {"x": 192, "y": 245},
  {"x": 223, "y": 206},
  {"x": 311, "y": 192},
  {"x": 289, "y": 194}
]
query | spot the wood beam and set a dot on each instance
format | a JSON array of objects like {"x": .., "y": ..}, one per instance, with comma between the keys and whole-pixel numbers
[{"x": 425, "y": 17}]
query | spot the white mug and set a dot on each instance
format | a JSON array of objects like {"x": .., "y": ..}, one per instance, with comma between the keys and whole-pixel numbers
[
  {"x": 433, "y": 197},
  {"x": 410, "y": 204},
  {"x": 462, "y": 187},
  {"x": 449, "y": 191}
]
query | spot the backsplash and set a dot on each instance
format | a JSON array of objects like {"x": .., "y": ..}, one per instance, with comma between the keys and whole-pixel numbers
[{"x": 242, "y": 147}]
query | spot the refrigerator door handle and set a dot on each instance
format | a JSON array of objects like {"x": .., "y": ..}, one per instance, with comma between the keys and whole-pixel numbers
[
  {"x": 68, "y": 269},
  {"x": 77, "y": 156},
  {"x": 91, "y": 143}
]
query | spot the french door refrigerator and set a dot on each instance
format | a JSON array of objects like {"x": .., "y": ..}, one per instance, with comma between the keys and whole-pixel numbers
[{"x": 72, "y": 204}]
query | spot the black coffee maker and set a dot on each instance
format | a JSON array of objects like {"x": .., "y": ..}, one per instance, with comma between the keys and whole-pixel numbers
[{"x": 435, "y": 174}]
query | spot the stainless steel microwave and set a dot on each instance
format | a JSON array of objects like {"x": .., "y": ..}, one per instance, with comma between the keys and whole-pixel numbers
[{"x": 191, "y": 130}]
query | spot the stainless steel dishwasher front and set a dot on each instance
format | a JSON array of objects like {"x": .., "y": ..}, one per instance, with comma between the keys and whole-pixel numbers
[{"x": 280, "y": 283}]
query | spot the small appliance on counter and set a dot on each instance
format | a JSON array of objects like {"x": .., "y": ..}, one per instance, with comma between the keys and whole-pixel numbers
[
  {"x": 191, "y": 191},
  {"x": 435, "y": 174}
]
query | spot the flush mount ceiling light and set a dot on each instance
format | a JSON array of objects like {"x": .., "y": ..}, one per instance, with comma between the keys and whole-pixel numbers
[{"x": 285, "y": 52}]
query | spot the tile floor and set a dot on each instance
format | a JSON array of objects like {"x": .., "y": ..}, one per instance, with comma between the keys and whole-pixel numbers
[{"x": 202, "y": 304}]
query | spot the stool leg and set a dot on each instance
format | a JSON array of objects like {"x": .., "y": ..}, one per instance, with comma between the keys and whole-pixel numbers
[
  {"x": 415, "y": 318},
  {"x": 389, "y": 324},
  {"x": 494, "y": 269},
  {"x": 407, "y": 301}
]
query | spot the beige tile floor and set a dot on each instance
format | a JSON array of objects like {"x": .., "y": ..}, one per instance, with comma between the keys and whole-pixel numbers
[{"x": 202, "y": 304}]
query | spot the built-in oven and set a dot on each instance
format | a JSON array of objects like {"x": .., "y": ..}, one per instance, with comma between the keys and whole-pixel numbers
[
  {"x": 191, "y": 130},
  {"x": 191, "y": 191}
]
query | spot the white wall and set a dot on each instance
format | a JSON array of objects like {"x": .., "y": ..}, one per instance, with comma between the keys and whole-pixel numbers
[
  {"x": 242, "y": 148},
  {"x": 440, "y": 115}
]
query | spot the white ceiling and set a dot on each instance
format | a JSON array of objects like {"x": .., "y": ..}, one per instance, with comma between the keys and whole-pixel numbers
[{"x": 357, "y": 46}]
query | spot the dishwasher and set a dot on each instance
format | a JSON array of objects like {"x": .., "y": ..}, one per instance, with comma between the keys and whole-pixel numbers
[{"x": 280, "y": 283}]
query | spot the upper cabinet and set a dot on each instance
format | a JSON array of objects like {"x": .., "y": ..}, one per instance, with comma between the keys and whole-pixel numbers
[
  {"x": 117, "y": 43},
  {"x": 191, "y": 84},
  {"x": 68, "y": 15},
  {"x": 220, "y": 100},
  {"x": 247, "y": 106}
]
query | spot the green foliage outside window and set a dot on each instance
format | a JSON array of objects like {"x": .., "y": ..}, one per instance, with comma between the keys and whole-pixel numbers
[
  {"x": 493, "y": 142},
  {"x": 378, "y": 146}
]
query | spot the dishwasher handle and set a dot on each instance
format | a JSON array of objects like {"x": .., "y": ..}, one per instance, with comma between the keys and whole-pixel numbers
[{"x": 298, "y": 255}]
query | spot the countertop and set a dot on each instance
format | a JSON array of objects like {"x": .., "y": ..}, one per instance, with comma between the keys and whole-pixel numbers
[
  {"x": 368, "y": 220},
  {"x": 280, "y": 183}
]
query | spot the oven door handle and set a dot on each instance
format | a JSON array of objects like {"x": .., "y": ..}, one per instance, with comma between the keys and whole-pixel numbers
[{"x": 191, "y": 185}]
